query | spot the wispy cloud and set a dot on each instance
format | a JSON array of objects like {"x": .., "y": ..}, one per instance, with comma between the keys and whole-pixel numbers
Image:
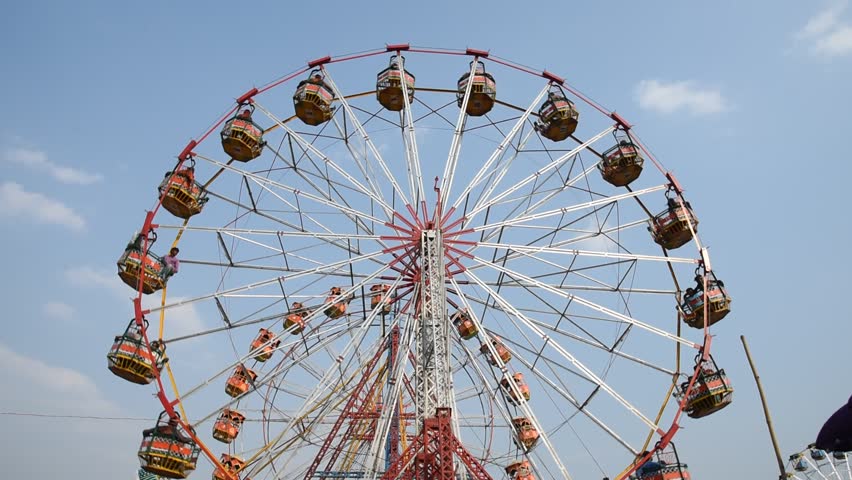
[
  {"x": 180, "y": 320},
  {"x": 826, "y": 33},
  {"x": 18, "y": 202},
  {"x": 673, "y": 97},
  {"x": 58, "y": 310},
  {"x": 74, "y": 388},
  {"x": 37, "y": 160}
]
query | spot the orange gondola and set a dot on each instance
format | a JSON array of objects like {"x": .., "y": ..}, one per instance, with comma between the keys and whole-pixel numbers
[
  {"x": 513, "y": 398},
  {"x": 168, "y": 450},
  {"x": 557, "y": 116},
  {"x": 671, "y": 227},
  {"x": 313, "y": 98},
  {"x": 263, "y": 345},
  {"x": 520, "y": 470},
  {"x": 296, "y": 318},
  {"x": 621, "y": 164},
  {"x": 338, "y": 304},
  {"x": 526, "y": 435},
  {"x": 242, "y": 139},
  {"x": 718, "y": 303},
  {"x": 379, "y": 296},
  {"x": 502, "y": 352},
  {"x": 133, "y": 264},
  {"x": 131, "y": 359},
  {"x": 711, "y": 392},
  {"x": 240, "y": 381},
  {"x": 465, "y": 326},
  {"x": 228, "y": 425},
  {"x": 182, "y": 195},
  {"x": 483, "y": 91},
  {"x": 389, "y": 85},
  {"x": 232, "y": 466}
]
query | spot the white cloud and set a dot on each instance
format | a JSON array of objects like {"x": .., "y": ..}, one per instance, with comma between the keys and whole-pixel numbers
[
  {"x": 180, "y": 320},
  {"x": 86, "y": 276},
  {"x": 838, "y": 42},
  {"x": 59, "y": 310},
  {"x": 827, "y": 34},
  {"x": 54, "y": 383},
  {"x": 18, "y": 202},
  {"x": 71, "y": 444},
  {"x": 679, "y": 96},
  {"x": 822, "y": 22},
  {"x": 37, "y": 160}
]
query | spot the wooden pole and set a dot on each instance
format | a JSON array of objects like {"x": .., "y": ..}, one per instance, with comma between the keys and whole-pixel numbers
[{"x": 783, "y": 475}]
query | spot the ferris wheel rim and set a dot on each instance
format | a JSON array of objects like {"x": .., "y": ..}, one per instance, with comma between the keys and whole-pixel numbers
[{"x": 169, "y": 404}]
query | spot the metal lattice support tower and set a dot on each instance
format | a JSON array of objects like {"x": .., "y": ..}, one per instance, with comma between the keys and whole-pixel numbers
[
  {"x": 430, "y": 456},
  {"x": 433, "y": 372}
]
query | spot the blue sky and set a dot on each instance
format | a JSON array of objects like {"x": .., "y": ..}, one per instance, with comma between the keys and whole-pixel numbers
[{"x": 745, "y": 101}]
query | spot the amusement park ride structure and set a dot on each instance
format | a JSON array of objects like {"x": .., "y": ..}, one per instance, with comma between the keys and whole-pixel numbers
[{"x": 503, "y": 261}]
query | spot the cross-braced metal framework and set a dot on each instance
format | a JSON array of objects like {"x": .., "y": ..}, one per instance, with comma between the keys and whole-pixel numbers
[{"x": 517, "y": 313}]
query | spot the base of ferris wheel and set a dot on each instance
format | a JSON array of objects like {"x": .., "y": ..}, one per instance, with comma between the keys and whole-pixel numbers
[{"x": 431, "y": 456}]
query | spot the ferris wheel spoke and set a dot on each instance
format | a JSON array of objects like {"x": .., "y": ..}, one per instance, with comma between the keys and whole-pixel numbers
[
  {"x": 319, "y": 337},
  {"x": 284, "y": 278},
  {"x": 583, "y": 253},
  {"x": 361, "y": 160},
  {"x": 520, "y": 220},
  {"x": 368, "y": 141},
  {"x": 574, "y": 298},
  {"x": 565, "y": 393},
  {"x": 535, "y": 175},
  {"x": 324, "y": 390},
  {"x": 549, "y": 195},
  {"x": 501, "y": 148},
  {"x": 455, "y": 145},
  {"x": 265, "y": 182},
  {"x": 327, "y": 195},
  {"x": 303, "y": 143},
  {"x": 565, "y": 354},
  {"x": 488, "y": 385},
  {"x": 295, "y": 228},
  {"x": 409, "y": 138}
]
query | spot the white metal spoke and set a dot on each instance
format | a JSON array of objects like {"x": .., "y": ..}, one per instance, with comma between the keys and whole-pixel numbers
[
  {"x": 455, "y": 145},
  {"x": 283, "y": 278},
  {"x": 524, "y": 406},
  {"x": 561, "y": 211},
  {"x": 295, "y": 191},
  {"x": 584, "y": 253},
  {"x": 485, "y": 203},
  {"x": 328, "y": 161},
  {"x": 564, "y": 353},
  {"x": 368, "y": 141},
  {"x": 581, "y": 301},
  {"x": 500, "y": 150},
  {"x": 409, "y": 137}
]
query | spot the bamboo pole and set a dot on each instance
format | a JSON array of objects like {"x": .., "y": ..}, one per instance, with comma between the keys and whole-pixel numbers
[{"x": 783, "y": 475}]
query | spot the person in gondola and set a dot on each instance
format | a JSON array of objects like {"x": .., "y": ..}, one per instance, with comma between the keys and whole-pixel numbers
[
  {"x": 245, "y": 114},
  {"x": 172, "y": 262}
]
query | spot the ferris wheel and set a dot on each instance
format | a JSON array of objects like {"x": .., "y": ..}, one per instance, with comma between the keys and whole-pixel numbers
[
  {"x": 386, "y": 276},
  {"x": 814, "y": 463}
]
